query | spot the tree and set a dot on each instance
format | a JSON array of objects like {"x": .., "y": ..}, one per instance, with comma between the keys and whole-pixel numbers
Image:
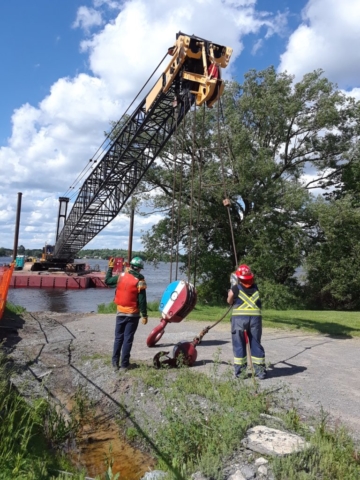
[
  {"x": 278, "y": 140},
  {"x": 333, "y": 265},
  {"x": 21, "y": 250}
]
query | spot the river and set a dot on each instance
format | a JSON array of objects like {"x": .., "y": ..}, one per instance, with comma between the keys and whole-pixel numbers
[{"x": 87, "y": 300}]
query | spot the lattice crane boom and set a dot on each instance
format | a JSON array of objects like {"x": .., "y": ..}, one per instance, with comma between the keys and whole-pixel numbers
[{"x": 192, "y": 76}]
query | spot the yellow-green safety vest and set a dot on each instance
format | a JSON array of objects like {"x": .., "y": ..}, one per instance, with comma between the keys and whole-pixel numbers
[{"x": 248, "y": 307}]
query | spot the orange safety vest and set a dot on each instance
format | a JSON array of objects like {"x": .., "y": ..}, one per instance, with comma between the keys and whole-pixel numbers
[{"x": 126, "y": 295}]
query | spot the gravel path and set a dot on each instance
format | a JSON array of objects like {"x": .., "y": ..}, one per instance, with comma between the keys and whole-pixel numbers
[{"x": 320, "y": 370}]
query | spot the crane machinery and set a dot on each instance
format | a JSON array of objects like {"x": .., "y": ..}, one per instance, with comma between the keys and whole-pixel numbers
[{"x": 193, "y": 76}]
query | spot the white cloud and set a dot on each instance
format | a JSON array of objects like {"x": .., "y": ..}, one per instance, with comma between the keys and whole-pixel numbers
[
  {"x": 327, "y": 38},
  {"x": 109, "y": 3},
  {"x": 355, "y": 93},
  {"x": 86, "y": 18},
  {"x": 257, "y": 46},
  {"x": 53, "y": 141}
]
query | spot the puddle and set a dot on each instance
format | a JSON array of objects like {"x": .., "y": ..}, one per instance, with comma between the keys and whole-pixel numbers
[{"x": 94, "y": 449}]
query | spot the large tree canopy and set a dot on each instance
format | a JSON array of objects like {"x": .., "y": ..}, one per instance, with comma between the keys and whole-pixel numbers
[{"x": 270, "y": 145}]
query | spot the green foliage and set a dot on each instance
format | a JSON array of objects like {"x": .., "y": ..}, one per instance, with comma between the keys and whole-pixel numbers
[
  {"x": 273, "y": 129},
  {"x": 333, "y": 265},
  {"x": 16, "y": 309},
  {"x": 132, "y": 434},
  {"x": 153, "y": 306},
  {"x": 5, "y": 252},
  {"x": 106, "y": 253},
  {"x": 280, "y": 297},
  {"x": 204, "y": 419},
  {"x": 326, "y": 322},
  {"x": 111, "y": 307},
  {"x": 24, "y": 452},
  {"x": 331, "y": 455},
  {"x": 106, "y": 308}
]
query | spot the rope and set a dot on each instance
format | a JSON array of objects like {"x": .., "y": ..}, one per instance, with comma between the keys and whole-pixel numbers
[{"x": 203, "y": 332}]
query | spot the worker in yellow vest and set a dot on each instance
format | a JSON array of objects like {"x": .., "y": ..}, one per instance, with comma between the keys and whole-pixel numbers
[
  {"x": 246, "y": 316},
  {"x": 130, "y": 298}
]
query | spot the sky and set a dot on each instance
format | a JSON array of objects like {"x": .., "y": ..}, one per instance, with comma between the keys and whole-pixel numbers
[{"x": 70, "y": 67}]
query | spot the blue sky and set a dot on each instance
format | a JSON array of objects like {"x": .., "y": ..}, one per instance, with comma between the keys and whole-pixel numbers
[{"x": 68, "y": 67}]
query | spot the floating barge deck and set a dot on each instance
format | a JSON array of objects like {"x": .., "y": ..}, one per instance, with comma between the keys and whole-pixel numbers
[{"x": 45, "y": 279}]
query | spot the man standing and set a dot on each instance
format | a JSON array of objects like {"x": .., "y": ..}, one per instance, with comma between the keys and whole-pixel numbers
[
  {"x": 130, "y": 298},
  {"x": 246, "y": 316}
]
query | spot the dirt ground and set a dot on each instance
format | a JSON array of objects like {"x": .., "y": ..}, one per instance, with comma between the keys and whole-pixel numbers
[{"x": 321, "y": 371}]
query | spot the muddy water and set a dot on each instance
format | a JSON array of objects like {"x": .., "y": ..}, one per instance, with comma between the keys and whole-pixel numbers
[{"x": 104, "y": 444}]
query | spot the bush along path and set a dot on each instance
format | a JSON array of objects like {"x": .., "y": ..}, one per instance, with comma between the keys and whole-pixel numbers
[{"x": 186, "y": 424}]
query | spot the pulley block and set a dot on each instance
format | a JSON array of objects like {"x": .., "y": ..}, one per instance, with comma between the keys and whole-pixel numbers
[
  {"x": 184, "y": 353},
  {"x": 178, "y": 300}
]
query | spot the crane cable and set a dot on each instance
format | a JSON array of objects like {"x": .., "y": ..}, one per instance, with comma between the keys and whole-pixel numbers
[
  {"x": 173, "y": 196},
  {"x": 191, "y": 194},
  {"x": 180, "y": 197},
  {"x": 175, "y": 155},
  {"x": 226, "y": 201},
  {"x": 201, "y": 159}
]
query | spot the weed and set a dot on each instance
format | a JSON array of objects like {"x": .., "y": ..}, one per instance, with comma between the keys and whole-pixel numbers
[
  {"x": 132, "y": 434},
  {"x": 106, "y": 308},
  {"x": 292, "y": 420},
  {"x": 96, "y": 356},
  {"x": 83, "y": 411},
  {"x": 16, "y": 309},
  {"x": 153, "y": 306},
  {"x": 331, "y": 455},
  {"x": 151, "y": 377},
  {"x": 204, "y": 419}
]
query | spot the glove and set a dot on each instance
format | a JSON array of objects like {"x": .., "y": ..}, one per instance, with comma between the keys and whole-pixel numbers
[
  {"x": 144, "y": 320},
  {"x": 111, "y": 262}
]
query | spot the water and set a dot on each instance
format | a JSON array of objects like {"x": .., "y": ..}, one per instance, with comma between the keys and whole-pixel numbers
[{"x": 87, "y": 300}]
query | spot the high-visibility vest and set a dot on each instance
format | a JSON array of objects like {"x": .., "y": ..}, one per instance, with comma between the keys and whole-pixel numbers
[
  {"x": 126, "y": 295},
  {"x": 247, "y": 304}
]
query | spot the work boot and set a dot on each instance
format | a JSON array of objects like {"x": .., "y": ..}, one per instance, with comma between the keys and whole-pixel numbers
[
  {"x": 131, "y": 366},
  {"x": 260, "y": 373},
  {"x": 115, "y": 367},
  {"x": 241, "y": 372}
]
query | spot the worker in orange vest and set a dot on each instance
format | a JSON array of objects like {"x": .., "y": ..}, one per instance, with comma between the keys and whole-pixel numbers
[
  {"x": 130, "y": 298},
  {"x": 246, "y": 316}
]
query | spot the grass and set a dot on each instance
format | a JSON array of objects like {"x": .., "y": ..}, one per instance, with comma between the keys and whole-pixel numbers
[
  {"x": 327, "y": 322},
  {"x": 331, "y": 455},
  {"x": 24, "y": 452},
  {"x": 205, "y": 417},
  {"x": 16, "y": 309},
  {"x": 153, "y": 308},
  {"x": 34, "y": 435}
]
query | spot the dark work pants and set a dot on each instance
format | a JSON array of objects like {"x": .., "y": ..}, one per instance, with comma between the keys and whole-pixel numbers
[
  {"x": 253, "y": 326},
  {"x": 125, "y": 329}
]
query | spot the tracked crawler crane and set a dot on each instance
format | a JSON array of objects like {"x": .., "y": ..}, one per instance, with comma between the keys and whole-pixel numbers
[{"x": 193, "y": 76}]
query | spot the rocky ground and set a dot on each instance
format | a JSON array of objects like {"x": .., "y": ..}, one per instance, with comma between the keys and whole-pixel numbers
[{"x": 54, "y": 353}]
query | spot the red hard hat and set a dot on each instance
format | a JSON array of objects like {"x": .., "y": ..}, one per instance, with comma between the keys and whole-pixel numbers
[{"x": 244, "y": 273}]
